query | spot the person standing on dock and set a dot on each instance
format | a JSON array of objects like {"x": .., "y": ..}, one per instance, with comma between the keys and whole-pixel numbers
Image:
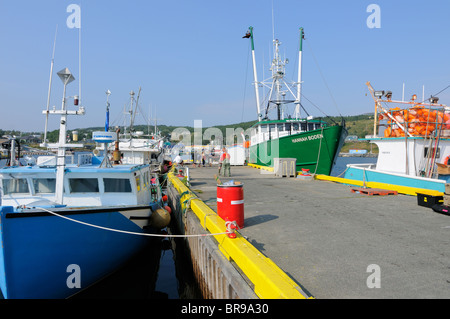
[
  {"x": 203, "y": 158},
  {"x": 224, "y": 163}
]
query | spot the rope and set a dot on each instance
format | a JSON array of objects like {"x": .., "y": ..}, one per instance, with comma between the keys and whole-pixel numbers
[
  {"x": 229, "y": 230},
  {"x": 318, "y": 155}
]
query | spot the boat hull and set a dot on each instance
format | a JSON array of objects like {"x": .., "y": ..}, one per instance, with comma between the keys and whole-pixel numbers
[
  {"x": 46, "y": 256},
  {"x": 366, "y": 174},
  {"x": 315, "y": 150}
]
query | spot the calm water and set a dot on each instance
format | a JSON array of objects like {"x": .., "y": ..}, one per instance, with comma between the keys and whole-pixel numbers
[
  {"x": 341, "y": 163},
  {"x": 162, "y": 270}
]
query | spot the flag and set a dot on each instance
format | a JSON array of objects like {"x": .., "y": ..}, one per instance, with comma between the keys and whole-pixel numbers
[{"x": 247, "y": 35}]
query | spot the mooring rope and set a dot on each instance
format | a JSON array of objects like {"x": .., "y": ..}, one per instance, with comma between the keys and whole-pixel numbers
[{"x": 229, "y": 229}]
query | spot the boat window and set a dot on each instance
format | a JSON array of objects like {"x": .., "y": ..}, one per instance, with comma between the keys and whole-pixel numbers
[
  {"x": 288, "y": 127},
  {"x": 271, "y": 127},
  {"x": 117, "y": 185},
  {"x": 295, "y": 126},
  {"x": 280, "y": 127},
  {"x": 44, "y": 185},
  {"x": 317, "y": 125},
  {"x": 310, "y": 126},
  {"x": 433, "y": 150},
  {"x": 83, "y": 185},
  {"x": 14, "y": 186},
  {"x": 303, "y": 127},
  {"x": 264, "y": 128}
]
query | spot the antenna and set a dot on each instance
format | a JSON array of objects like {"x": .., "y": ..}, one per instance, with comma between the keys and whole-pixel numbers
[
  {"x": 273, "y": 24},
  {"x": 49, "y": 88}
]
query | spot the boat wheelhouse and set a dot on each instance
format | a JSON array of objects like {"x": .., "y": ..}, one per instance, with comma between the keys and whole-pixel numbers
[
  {"x": 267, "y": 130},
  {"x": 84, "y": 185}
]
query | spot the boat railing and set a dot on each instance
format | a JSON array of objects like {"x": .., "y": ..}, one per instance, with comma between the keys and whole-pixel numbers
[{"x": 363, "y": 165}]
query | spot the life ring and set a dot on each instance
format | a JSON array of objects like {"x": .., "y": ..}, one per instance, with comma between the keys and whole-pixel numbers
[{"x": 446, "y": 160}]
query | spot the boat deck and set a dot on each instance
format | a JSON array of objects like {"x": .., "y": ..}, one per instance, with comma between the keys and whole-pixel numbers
[{"x": 326, "y": 238}]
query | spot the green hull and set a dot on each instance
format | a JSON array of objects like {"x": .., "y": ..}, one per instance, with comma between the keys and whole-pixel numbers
[{"x": 315, "y": 150}]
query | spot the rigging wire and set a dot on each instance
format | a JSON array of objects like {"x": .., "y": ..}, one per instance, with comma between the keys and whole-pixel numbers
[
  {"x": 245, "y": 83},
  {"x": 323, "y": 78},
  {"x": 326, "y": 115}
]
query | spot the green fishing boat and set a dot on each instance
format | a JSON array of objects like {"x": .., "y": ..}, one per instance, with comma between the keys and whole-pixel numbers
[{"x": 313, "y": 142}]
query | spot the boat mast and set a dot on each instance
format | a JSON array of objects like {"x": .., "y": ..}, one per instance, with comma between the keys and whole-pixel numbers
[
  {"x": 255, "y": 77},
  {"x": 66, "y": 77},
  {"x": 299, "y": 81},
  {"x": 278, "y": 73}
]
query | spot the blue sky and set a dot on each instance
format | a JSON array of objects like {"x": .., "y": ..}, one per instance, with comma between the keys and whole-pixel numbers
[{"x": 192, "y": 63}]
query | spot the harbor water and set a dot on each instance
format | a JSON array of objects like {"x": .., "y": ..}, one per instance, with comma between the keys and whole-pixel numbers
[{"x": 342, "y": 162}]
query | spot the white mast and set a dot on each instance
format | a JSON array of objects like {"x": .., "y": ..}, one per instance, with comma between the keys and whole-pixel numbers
[
  {"x": 255, "y": 77},
  {"x": 299, "y": 80},
  {"x": 66, "y": 77}
]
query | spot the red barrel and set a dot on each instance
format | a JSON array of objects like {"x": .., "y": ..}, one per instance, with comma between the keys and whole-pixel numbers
[{"x": 230, "y": 203}]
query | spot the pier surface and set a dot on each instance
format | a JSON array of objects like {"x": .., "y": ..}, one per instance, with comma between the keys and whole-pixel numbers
[{"x": 333, "y": 242}]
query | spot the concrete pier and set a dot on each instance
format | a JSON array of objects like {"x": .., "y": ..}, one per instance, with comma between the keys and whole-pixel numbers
[{"x": 339, "y": 244}]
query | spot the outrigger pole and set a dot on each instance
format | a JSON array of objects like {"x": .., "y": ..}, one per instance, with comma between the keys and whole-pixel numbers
[
  {"x": 49, "y": 89},
  {"x": 255, "y": 77},
  {"x": 299, "y": 80}
]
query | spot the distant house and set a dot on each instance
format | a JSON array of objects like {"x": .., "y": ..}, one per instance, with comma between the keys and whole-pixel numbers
[
  {"x": 31, "y": 139},
  {"x": 351, "y": 138}
]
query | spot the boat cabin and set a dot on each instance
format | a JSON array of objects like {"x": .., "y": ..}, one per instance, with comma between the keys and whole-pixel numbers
[
  {"x": 268, "y": 130},
  {"x": 84, "y": 185}
]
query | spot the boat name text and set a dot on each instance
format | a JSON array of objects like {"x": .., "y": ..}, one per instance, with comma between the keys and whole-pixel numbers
[{"x": 307, "y": 138}]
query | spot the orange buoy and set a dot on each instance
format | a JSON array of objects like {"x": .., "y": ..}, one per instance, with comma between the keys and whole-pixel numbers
[
  {"x": 387, "y": 132},
  {"x": 169, "y": 210}
]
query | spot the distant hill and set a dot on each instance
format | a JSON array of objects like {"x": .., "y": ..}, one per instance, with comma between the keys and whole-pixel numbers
[{"x": 359, "y": 125}]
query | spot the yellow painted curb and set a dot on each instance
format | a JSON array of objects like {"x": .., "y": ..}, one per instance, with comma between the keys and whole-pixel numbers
[
  {"x": 400, "y": 189},
  {"x": 270, "y": 282},
  {"x": 266, "y": 168}
]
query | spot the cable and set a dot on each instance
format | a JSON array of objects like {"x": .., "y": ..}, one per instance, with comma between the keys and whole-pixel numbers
[
  {"x": 323, "y": 78},
  {"x": 124, "y": 231}
]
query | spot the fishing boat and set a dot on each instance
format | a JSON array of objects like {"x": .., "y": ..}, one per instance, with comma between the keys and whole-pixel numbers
[
  {"x": 65, "y": 226},
  {"x": 313, "y": 143},
  {"x": 413, "y": 138},
  {"x": 133, "y": 147}
]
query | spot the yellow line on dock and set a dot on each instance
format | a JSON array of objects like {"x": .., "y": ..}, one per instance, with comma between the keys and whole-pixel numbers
[
  {"x": 270, "y": 282},
  {"x": 400, "y": 189},
  {"x": 266, "y": 168}
]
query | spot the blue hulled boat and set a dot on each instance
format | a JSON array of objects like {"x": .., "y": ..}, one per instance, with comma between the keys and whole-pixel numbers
[{"x": 64, "y": 226}]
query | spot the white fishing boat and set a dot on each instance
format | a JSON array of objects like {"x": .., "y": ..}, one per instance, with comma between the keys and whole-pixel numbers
[
  {"x": 134, "y": 147},
  {"x": 413, "y": 138}
]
